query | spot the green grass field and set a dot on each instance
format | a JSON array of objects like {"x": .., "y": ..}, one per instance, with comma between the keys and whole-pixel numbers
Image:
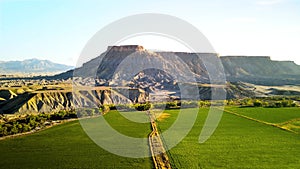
[
  {"x": 67, "y": 146},
  {"x": 271, "y": 115},
  {"x": 286, "y": 118},
  {"x": 237, "y": 143}
]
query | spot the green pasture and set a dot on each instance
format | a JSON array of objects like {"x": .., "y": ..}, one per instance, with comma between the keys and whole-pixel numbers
[
  {"x": 238, "y": 142},
  {"x": 271, "y": 115},
  {"x": 67, "y": 146}
]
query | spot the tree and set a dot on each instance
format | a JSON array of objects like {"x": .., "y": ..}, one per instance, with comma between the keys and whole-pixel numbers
[
  {"x": 14, "y": 129},
  {"x": 257, "y": 103},
  {"x": 142, "y": 107},
  {"x": 278, "y": 104}
]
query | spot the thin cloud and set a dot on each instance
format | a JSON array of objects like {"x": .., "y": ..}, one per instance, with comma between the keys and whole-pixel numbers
[{"x": 268, "y": 2}]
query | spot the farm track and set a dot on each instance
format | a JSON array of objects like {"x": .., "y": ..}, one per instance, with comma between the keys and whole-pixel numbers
[{"x": 159, "y": 155}]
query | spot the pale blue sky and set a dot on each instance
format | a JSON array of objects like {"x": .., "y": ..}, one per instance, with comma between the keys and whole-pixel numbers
[{"x": 58, "y": 29}]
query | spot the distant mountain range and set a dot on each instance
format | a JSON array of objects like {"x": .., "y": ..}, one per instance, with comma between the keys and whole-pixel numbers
[{"x": 32, "y": 66}]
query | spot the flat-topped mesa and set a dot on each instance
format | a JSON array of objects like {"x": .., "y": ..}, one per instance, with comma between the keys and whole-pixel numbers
[
  {"x": 247, "y": 57},
  {"x": 127, "y": 48}
]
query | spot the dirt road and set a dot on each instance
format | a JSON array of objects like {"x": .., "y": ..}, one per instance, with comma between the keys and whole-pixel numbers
[{"x": 159, "y": 155}]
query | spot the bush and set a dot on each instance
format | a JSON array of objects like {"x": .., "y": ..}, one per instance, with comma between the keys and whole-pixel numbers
[
  {"x": 229, "y": 102},
  {"x": 14, "y": 129},
  {"x": 265, "y": 104},
  {"x": 293, "y": 104},
  {"x": 190, "y": 104},
  {"x": 142, "y": 107},
  {"x": 25, "y": 128},
  {"x": 257, "y": 103},
  {"x": 170, "y": 105},
  {"x": 278, "y": 104},
  {"x": 104, "y": 109},
  {"x": 204, "y": 103},
  {"x": 112, "y": 107},
  {"x": 248, "y": 102},
  {"x": 3, "y": 131},
  {"x": 125, "y": 107}
]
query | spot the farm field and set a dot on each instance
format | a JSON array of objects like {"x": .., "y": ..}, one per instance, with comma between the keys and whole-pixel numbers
[
  {"x": 237, "y": 143},
  {"x": 67, "y": 146},
  {"x": 271, "y": 115},
  {"x": 285, "y": 118}
]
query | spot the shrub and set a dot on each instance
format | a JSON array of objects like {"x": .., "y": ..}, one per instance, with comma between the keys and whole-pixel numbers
[
  {"x": 278, "y": 104},
  {"x": 104, "y": 109},
  {"x": 125, "y": 107},
  {"x": 204, "y": 103},
  {"x": 170, "y": 105},
  {"x": 4, "y": 131},
  {"x": 293, "y": 104},
  {"x": 257, "y": 103},
  {"x": 229, "y": 102},
  {"x": 72, "y": 114},
  {"x": 217, "y": 103},
  {"x": 1, "y": 129},
  {"x": 25, "y": 128},
  {"x": 14, "y": 129},
  {"x": 112, "y": 107},
  {"x": 142, "y": 107},
  {"x": 285, "y": 103},
  {"x": 265, "y": 104},
  {"x": 190, "y": 104}
]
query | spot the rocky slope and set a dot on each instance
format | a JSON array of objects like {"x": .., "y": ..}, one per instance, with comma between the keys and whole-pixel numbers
[
  {"x": 137, "y": 67},
  {"x": 260, "y": 70},
  {"x": 54, "y": 100},
  {"x": 253, "y": 69},
  {"x": 136, "y": 75}
]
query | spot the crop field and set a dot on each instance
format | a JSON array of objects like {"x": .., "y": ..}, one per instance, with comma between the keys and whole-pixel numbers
[
  {"x": 67, "y": 146},
  {"x": 271, "y": 115},
  {"x": 286, "y": 118},
  {"x": 237, "y": 143}
]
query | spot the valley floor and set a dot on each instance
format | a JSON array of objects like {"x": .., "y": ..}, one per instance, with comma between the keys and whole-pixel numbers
[{"x": 238, "y": 142}]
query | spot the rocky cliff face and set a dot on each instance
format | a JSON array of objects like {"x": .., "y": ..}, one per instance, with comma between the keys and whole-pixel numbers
[
  {"x": 236, "y": 68},
  {"x": 258, "y": 66},
  {"x": 133, "y": 66},
  {"x": 133, "y": 73},
  {"x": 50, "y": 101},
  {"x": 137, "y": 67},
  {"x": 260, "y": 70}
]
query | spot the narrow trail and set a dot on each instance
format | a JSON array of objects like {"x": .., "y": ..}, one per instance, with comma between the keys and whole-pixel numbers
[{"x": 159, "y": 155}]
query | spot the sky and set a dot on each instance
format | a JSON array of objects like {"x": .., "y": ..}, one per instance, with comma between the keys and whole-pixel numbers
[{"x": 58, "y": 30}]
